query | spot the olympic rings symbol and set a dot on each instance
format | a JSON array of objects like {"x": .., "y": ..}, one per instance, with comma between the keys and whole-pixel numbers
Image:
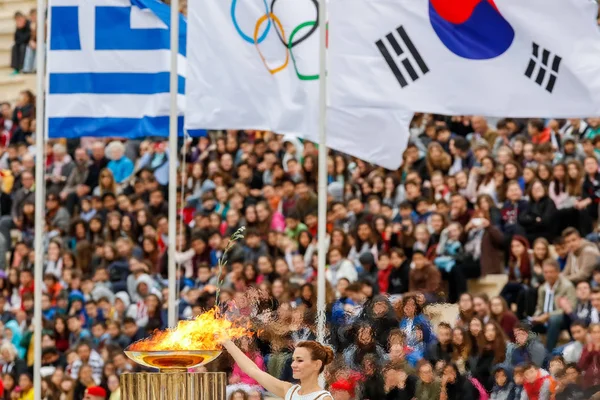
[{"x": 289, "y": 43}]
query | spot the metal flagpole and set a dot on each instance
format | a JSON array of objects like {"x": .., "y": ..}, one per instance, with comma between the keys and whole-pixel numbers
[
  {"x": 322, "y": 195},
  {"x": 172, "y": 314},
  {"x": 39, "y": 197}
]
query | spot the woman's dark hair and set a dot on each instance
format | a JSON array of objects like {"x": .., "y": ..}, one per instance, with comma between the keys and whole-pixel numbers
[{"x": 400, "y": 306}]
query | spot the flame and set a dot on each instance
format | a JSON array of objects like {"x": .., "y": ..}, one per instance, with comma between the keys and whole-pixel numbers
[{"x": 205, "y": 332}]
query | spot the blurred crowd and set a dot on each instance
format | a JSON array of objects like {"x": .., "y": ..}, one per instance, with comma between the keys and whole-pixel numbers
[{"x": 511, "y": 200}]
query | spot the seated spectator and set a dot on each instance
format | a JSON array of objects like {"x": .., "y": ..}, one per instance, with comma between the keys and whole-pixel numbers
[
  {"x": 520, "y": 268},
  {"x": 538, "y": 219},
  {"x": 582, "y": 258},
  {"x": 538, "y": 384},
  {"x": 567, "y": 388},
  {"x": 571, "y": 352},
  {"x": 583, "y": 307},
  {"x": 526, "y": 348},
  {"x": 492, "y": 351},
  {"x": 462, "y": 349},
  {"x": 503, "y": 316},
  {"x": 504, "y": 387},
  {"x": 239, "y": 379},
  {"x": 59, "y": 170},
  {"x": 398, "y": 278},
  {"x": 398, "y": 384},
  {"x": 411, "y": 316},
  {"x": 29, "y": 64},
  {"x": 339, "y": 267},
  {"x": 513, "y": 207},
  {"x": 424, "y": 277},
  {"x": 589, "y": 363},
  {"x": 519, "y": 379},
  {"x": 455, "y": 386},
  {"x": 481, "y": 307},
  {"x": 549, "y": 318},
  {"x": 22, "y": 38},
  {"x": 363, "y": 345},
  {"x": 119, "y": 164},
  {"x": 428, "y": 386},
  {"x": 442, "y": 349}
]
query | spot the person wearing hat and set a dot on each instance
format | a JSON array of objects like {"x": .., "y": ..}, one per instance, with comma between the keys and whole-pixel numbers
[
  {"x": 95, "y": 393},
  {"x": 424, "y": 277},
  {"x": 369, "y": 270}
]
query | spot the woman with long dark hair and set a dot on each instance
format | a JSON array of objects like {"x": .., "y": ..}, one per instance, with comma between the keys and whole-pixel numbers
[
  {"x": 519, "y": 275},
  {"x": 492, "y": 350},
  {"x": 461, "y": 345},
  {"x": 504, "y": 317},
  {"x": 456, "y": 386},
  {"x": 364, "y": 240},
  {"x": 589, "y": 196},
  {"x": 539, "y": 218},
  {"x": 475, "y": 332},
  {"x": 465, "y": 310}
]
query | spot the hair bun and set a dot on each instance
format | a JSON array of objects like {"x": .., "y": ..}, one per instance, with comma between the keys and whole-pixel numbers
[{"x": 328, "y": 355}]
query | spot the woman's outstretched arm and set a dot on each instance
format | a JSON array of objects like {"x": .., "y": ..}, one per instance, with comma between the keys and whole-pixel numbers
[{"x": 277, "y": 387}]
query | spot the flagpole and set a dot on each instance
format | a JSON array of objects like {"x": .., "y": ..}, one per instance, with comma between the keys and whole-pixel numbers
[
  {"x": 40, "y": 185},
  {"x": 173, "y": 133},
  {"x": 322, "y": 189}
]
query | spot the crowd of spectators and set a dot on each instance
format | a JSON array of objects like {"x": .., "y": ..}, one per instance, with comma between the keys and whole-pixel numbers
[{"x": 518, "y": 198}]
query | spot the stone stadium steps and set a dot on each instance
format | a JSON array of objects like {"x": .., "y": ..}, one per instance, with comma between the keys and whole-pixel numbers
[
  {"x": 10, "y": 85},
  {"x": 490, "y": 285}
]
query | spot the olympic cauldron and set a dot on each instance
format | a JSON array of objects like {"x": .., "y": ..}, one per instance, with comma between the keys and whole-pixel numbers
[{"x": 173, "y": 352}]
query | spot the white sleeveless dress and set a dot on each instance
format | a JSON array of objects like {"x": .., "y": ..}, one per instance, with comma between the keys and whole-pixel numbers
[{"x": 292, "y": 394}]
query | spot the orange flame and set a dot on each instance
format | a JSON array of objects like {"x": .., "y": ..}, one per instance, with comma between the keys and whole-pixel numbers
[{"x": 203, "y": 333}]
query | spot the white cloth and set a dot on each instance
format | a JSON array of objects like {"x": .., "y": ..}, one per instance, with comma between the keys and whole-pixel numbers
[
  {"x": 549, "y": 299},
  {"x": 476, "y": 64},
  {"x": 237, "y": 84},
  {"x": 292, "y": 394}
]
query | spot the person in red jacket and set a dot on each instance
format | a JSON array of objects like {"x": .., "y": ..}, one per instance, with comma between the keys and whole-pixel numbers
[
  {"x": 538, "y": 384},
  {"x": 383, "y": 274},
  {"x": 26, "y": 280},
  {"x": 590, "y": 361}
]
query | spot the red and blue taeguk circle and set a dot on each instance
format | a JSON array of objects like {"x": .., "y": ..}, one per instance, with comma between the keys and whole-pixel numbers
[{"x": 472, "y": 29}]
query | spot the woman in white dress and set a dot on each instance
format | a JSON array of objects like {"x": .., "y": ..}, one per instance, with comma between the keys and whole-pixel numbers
[{"x": 308, "y": 361}]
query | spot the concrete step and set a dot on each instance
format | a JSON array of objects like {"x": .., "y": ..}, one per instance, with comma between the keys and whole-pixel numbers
[
  {"x": 6, "y": 41},
  {"x": 4, "y": 57},
  {"x": 12, "y": 85},
  {"x": 10, "y": 7},
  {"x": 490, "y": 285}
]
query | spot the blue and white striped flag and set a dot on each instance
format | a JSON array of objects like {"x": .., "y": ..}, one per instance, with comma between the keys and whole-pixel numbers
[{"x": 108, "y": 67}]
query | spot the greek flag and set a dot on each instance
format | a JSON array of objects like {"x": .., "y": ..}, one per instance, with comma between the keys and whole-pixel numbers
[{"x": 108, "y": 69}]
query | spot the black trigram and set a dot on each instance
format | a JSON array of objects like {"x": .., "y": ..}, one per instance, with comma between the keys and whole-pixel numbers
[
  {"x": 547, "y": 66},
  {"x": 406, "y": 63}
]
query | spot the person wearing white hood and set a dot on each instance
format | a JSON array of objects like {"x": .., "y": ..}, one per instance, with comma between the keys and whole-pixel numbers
[
  {"x": 122, "y": 303},
  {"x": 137, "y": 269},
  {"x": 293, "y": 149},
  {"x": 145, "y": 286},
  {"x": 339, "y": 267}
]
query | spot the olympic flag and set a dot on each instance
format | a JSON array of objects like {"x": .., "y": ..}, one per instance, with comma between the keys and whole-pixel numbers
[
  {"x": 255, "y": 65},
  {"x": 483, "y": 57}
]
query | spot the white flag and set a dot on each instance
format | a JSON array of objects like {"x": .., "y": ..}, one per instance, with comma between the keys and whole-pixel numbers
[
  {"x": 254, "y": 64},
  {"x": 534, "y": 58}
]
